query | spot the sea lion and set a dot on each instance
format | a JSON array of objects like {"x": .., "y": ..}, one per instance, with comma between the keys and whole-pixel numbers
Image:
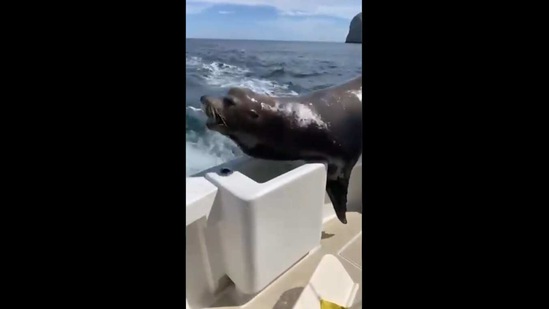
[{"x": 324, "y": 125}]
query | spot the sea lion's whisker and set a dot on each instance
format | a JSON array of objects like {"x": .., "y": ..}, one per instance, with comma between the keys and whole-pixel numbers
[
  {"x": 215, "y": 115},
  {"x": 222, "y": 119},
  {"x": 212, "y": 111}
]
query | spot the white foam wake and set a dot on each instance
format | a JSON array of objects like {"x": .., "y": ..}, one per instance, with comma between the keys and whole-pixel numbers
[
  {"x": 194, "y": 109},
  {"x": 208, "y": 150},
  {"x": 226, "y": 75}
]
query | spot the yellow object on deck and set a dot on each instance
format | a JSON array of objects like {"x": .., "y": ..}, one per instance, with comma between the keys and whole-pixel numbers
[{"x": 324, "y": 304}]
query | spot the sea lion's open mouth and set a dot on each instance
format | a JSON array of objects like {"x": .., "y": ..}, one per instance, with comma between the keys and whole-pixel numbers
[{"x": 214, "y": 117}]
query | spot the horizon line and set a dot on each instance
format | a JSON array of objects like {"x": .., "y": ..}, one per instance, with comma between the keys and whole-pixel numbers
[{"x": 343, "y": 42}]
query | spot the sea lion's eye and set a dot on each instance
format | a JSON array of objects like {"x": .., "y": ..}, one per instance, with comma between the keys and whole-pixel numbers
[{"x": 254, "y": 114}]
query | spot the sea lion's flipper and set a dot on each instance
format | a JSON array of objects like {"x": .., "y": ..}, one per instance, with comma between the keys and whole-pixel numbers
[
  {"x": 337, "y": 187},
  {"x": 337, "y": 191}
]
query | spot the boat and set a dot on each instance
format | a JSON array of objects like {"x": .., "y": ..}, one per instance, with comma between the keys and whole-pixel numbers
[{"x": 263, "y": 234}]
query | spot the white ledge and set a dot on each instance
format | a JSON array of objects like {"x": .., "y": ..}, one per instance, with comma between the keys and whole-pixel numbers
[
  {"x": 199, "y": 198},
  {"x": 247, "y": 189}
]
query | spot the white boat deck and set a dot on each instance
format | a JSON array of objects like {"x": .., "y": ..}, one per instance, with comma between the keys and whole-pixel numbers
[{"x": 216, "y": 257}]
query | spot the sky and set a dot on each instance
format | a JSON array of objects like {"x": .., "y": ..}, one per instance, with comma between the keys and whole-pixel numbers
[{"x": 284, "y": 20}]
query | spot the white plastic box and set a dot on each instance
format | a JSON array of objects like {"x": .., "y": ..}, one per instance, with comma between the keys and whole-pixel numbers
[{"x": 269, "y": 217}]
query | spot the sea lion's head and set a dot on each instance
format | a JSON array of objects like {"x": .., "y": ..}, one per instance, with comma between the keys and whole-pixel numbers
[{"x": 241, "y": 110}]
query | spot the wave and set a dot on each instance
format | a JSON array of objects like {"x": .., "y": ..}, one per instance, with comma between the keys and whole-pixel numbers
[
  {"x": 304, "y": 75},
  {"x": 224, "y": 75},
  {"x": 275, "y": 73},
  {"x": 207, "y": 149},
  {"x": 282, "y": 72},
  {"x": 192, "y": 61}
]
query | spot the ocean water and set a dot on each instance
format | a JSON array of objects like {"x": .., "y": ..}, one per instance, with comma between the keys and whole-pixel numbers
[{"x": 276, "y": 68}]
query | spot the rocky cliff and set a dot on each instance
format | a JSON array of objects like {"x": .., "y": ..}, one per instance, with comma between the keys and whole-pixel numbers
[{"x": 355, "y": 30}]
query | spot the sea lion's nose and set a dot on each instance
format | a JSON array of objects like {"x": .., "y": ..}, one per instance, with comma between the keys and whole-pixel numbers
[{"x": 203, "y": 99}]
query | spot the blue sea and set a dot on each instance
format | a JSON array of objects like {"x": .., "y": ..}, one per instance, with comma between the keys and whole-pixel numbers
[{"x": 270, "y": 67}]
